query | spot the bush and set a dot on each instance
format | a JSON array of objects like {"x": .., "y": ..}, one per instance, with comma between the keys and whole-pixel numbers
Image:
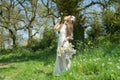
[{"x": 48, "y": 41}]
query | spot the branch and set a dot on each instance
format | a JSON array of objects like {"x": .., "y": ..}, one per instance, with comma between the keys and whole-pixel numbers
[
  {"x": 92, "y": 13},
  {"x": 49, "y": 12},
  {"x": 21, "y": 3},
  {"x": 39, "y": 29},
  {"x": 92, "y": 3},
  {"x": 7, "y": 29}
]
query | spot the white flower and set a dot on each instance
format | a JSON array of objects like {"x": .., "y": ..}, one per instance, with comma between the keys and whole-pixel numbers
[
  {"x": 61, "y": 50},
  {"x": 109, "y": 62},
  {"x": 66, "y": 49},
  {"x": 118, "y": 67},
  {"x": 103, "y": 64},
  {"x": 73, "y": 18}
]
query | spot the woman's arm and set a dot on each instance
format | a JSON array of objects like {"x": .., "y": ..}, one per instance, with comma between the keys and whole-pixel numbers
[{"x": 57, "y": 26}]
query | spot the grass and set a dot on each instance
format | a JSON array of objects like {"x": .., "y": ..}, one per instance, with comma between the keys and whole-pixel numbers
[{"x": 91, "y": 64}]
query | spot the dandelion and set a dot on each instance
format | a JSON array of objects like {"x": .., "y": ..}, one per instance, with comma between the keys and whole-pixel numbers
[{"x": 81, "y": 67}]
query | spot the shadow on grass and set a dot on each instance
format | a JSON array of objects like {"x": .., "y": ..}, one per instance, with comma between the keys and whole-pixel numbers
[{"x": 47, "y": 56}]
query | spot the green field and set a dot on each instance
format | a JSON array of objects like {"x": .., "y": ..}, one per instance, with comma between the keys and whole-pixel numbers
[{"x": 90, "y": 64}]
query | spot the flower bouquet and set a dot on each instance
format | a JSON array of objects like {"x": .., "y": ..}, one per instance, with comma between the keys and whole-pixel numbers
[{"x": 66, "y": 49}]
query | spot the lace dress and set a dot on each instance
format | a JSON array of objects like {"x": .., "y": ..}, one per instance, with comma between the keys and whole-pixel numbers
[{"x": 61, "y": 64}]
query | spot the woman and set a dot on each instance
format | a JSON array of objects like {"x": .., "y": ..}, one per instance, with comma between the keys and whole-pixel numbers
[{"x": 65, "y": 31}]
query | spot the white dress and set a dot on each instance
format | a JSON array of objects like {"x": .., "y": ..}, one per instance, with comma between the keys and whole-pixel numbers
[{"x": 61, "y": 64}]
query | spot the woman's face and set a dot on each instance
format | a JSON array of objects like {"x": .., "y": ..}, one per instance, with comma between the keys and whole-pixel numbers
[{"x": 67, "y": 19}]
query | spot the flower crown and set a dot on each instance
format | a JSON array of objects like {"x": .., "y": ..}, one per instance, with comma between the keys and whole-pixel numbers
[{"x": 73, "y": 18}]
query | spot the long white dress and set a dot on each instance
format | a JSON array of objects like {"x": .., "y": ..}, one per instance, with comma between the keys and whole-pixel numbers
[{"x": 61, "y": 63}]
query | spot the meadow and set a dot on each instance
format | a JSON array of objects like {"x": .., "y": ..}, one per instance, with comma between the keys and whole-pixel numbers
[{"x": 99, "y": 63}]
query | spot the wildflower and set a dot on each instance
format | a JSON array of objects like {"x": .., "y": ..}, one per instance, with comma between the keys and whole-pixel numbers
[
  {"x": 81, "y": 67},
  {"x": 109, "y": 62}
]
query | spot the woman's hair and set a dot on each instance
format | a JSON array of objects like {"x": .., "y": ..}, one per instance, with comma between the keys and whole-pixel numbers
[{"x": 68, "y": 20}]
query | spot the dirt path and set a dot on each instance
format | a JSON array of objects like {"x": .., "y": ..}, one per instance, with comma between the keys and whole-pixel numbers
[{"x": 3, "y": 65}]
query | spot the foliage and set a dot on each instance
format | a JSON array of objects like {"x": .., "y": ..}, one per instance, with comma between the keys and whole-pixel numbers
[
  {"x": 112, "y": 21},
  {"x": 16, "y": 15},
  {"x": 96, "y": 29},
  {"x": 48, "y": 41},
  {"x": 94, "y": 60},
  {"x": 66, "y": 9},
  {"x": 91, "y": 64}
]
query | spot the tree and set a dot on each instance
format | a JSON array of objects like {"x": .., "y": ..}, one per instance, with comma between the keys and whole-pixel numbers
[
  {"x": 1, "y": 38},
  {"x": 75, "y": 7},
  {"x": 10, "y": 18},
  {"x": 111, "y": 20}
]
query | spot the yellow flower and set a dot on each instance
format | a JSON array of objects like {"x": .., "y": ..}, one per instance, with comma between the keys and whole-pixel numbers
[{"x": 81, "y": 67}]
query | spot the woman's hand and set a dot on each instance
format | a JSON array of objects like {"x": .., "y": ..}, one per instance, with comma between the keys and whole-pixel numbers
[
  {"x": 66, "y": 39},
  {"x": 57, "y": 26}
]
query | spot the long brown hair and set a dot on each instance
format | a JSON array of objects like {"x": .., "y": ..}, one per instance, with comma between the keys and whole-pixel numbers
[{"x": 69, "y": 23}]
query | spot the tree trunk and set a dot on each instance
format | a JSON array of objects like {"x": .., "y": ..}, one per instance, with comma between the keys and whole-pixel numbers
[
  {"x": 2, "y": 39},
  {"x": 13, "y": 37},
  {"x": 29, "y": 35}
]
